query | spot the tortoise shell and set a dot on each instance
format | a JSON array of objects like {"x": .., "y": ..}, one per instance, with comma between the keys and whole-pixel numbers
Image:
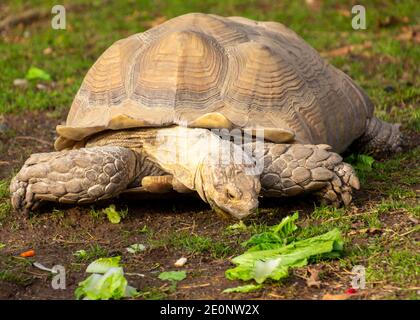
[{"x": 208, "y": 71}]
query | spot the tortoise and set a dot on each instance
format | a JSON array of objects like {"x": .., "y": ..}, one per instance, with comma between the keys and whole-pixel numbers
[{"x": 180, "y": 85}]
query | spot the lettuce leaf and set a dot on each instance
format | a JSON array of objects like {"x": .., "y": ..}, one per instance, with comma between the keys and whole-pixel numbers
[
  {"x": 274, "y": 263},
  {"x": 102, "y": 265},
  {"x": 112, "y": 214},
  {"x": 278, "y": 234},
  {"x": 136, "y": 248},
  {"x": 35, "y": 73},
  {"x": 245, "y": 288},
  {"x": 111, "y": 285},
  {"x": 173, "y": 275}
]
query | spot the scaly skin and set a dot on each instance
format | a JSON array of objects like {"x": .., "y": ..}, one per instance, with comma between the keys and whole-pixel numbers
[
  {"x": 293, "y": 169},
  {"x": 75, "y": 176},
  {"x": 380, "y": 138}
]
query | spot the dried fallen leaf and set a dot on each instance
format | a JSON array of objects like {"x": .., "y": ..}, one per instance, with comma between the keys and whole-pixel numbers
[
  {"x": 369, "y": 231},
  {"x": 313, "y": 280},
  {"x": 342, "y": 51},
  {"x": 314, "y": 5},
  {"x": 329, "y": 296},
  {"x": 414, "y": 220},
  {"x": 155, "y": 22},
  {"x": 409, "y": 33},
  {"x": 47, "y": 51},
  {"x": 389, "y": 21},
  {"x": 343, "y": 12}
]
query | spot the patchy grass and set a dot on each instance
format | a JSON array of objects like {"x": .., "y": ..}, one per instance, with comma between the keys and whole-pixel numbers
[
  {"x": 192, "y": 244},
  {"x": 5, "y": 205},
  {"x": 92, "y": 253},
  {"x": 14, "y": 270}
]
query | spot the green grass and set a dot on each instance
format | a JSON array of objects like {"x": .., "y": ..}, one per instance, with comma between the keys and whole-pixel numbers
[
  {"x": 96, "y": 214},
  {"x": 4, "y": 188},
  {"x": 14, "y": 277},
  {"x": 93, "y": 252},
  {"x": 14, "y": 270},
  {"x": 399, "y": 266},
  {"x": 390, "y": 257},
  {"x": 86, "y": 37},
  {"x": 5, "y": 205},
  {"x": 5, "y": 208},
  {"x": 192, "y": 244}
]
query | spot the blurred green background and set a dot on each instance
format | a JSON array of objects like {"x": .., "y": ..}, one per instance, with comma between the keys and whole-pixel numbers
[{"x": 383, "y": 59}]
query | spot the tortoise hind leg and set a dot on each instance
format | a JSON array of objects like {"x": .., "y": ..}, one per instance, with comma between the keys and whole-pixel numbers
[
  {"x": 73, "y": 176},
  {"x": 380, "y": 138}
]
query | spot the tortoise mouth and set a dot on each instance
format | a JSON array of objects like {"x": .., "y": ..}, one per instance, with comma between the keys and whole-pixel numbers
[{"x": 229, "y": 215}]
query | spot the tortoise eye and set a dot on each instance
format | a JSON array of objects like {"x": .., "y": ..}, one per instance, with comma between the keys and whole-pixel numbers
[
  {"x": 238, "y": 171},
  {"x": 230, "y": 195}
]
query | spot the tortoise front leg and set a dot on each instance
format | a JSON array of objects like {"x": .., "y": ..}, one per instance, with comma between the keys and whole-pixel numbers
[
  {"x": 73, "y": 176},
  {"x": 293, "y": 169}
]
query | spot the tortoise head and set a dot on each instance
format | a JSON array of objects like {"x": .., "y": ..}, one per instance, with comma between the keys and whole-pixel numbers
[{"x": 229, "y": 189}]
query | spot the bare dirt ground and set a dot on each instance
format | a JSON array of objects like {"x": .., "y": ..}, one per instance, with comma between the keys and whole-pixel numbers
[{"x": 170, "y": 229}]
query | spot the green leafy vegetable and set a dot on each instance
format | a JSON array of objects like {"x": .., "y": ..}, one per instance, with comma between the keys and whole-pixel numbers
[
  {"x": 112, "y": 214},
  {"x": 173, "y": 275},
  {"x": 37, "y": 74},
  {"x": 102, "y": 265},
  {"x": 111, "y": 285},
  {"x": 135, "y": 248},
  {"x": 245, "y": 288},
  {"x": 240, "y": 226},
  {"x": 80, "y": 254},
  {"x": 278, "y": 234},
  {"x": 275, "y": 262},
  {"x": 2, "y": 245},
  {"x": 106, "y": 282}
]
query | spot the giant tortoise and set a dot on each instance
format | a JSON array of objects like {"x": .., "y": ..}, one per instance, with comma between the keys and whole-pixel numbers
[{"x": 155, "y": 106}]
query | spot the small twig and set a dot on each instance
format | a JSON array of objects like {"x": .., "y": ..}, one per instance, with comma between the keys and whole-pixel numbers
[
  {"x": 134, "y": 274},
  {"x": 25, "y": 17},
  {"x": 342, "y": 51},
  {"x": 184, "y": 228},
  {"x": 31, "y": 15},
  {"x": 196, "y": 286},
  {"x": 33, "y": 138},
  {"x": 409, "y": 231},
  {"x": 78, "y": 242}
]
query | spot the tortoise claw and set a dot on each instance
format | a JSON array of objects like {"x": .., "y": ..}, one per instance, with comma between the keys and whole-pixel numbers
[
  {"x": 21, "y": 197},
  {"x": 338, "y": 191}
]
